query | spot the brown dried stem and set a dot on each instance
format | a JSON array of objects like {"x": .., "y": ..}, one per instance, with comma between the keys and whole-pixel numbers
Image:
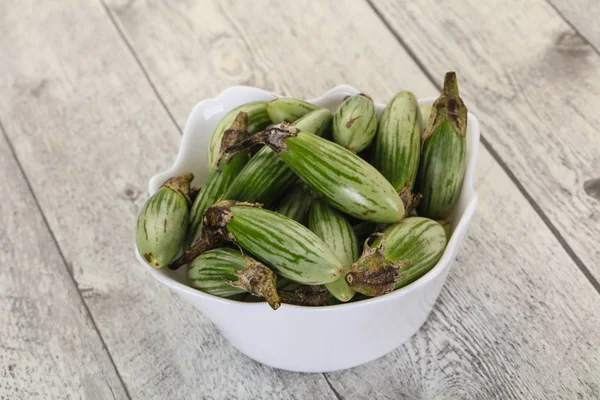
[
  {"x": 214, "y": 231},
  {"x": 273, "y": 136},
  {"x": 373, "y": 274},
  {"x": 449, "y": 107},
  {"x": 410, "y": 199},
  {"x": 258, "y": 280},
  {"x": 312, "y": 296},
  {"x": 234, "y": 135},
  {"x": 180, "y": 184}
]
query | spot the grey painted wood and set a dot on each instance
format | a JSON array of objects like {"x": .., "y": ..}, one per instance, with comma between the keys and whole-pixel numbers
[
  {"x": 584, "y": 16},
  {"x": 516, "y": 320},
  {"x": 194, "y": 50},
  {"x": 534, "y": 84},
  {"x": 89, "y": 132},
  {"x": 499, "y": 329},
  {"x": 49, "y": 348}
]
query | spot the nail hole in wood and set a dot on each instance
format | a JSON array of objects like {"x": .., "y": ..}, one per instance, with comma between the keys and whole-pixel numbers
[{"x": 592, "y": 188}]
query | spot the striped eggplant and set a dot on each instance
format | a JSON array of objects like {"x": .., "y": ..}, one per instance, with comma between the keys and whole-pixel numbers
[
  {"x": 162, "y": 222},
  {"x": 400, "y": 255},
  {"x": 266, "y": 176},
  {"x": 355, "y": 123},
  {"x": 209, "y": 270},
  {"x": 347, "y": 181},
  {"x": 258, "y": 119},
  {"x": 288, "y": 247},
  {"x": 295, "y": 204},
  {"x": 226, "y": 272},
  {"x": 398, "y": 141},
  {"x": 288, "y": 109},
  {"x": 222, "y": 177},
  {"x": 335, "y": 230},
  {"x": 444, "y": 149}
]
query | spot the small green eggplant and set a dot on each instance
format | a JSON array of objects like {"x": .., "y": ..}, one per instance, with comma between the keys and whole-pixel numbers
[
  {"x": 444, "y": 151},
  {"x": 400, "y": 255},
  {"x": 348, "y": 182},
  {"x": 222, "y": 177},
  {"x": 330, "y": 225},
  {"x": 258, "y": 119},
  {"x": 296, "y": 203},
  {"x": 226, "y": 272},
  {"x": 288, "y": 247},
  {"x": 288, "y": 109},
  {"x": 163, "y": 220},
  {"x": 355, "y": 123}
]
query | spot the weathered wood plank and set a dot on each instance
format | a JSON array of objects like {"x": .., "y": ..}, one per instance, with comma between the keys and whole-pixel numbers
[
  {"x": 501, "y": 313},
  {"x": 89, "y": 132},
  {"x": 194, "y": 50},
  {"x": 584, "y": 16},
  {"x": 49, "y": 347},
  {"x": 515, "y": 320},
  {"x": 534, "y": 84}
]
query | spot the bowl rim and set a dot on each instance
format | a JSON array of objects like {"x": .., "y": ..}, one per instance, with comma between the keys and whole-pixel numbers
[{"x": 444, "y": 261}]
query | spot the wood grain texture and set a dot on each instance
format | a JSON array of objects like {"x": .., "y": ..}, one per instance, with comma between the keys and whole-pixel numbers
[
  {"x": 514, "y": 321},
  {"x": 584, "y": 16},
  {"x": 194, "y": 50},
  {"x": 89, "y": 132},
  {"x": 49, "y": 347},
  {"x": 534, "y": 84},
  {"x": 497, "y": 331}
]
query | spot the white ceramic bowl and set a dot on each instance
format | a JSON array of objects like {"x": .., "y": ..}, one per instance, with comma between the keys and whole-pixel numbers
[{"x": 316, "y": 339}]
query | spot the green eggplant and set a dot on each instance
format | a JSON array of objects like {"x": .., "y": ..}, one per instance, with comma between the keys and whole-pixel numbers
[
  {"x": 226, "y": 272},
  {"x": 162, "y": 222},
  {"x": 258, "y": 119},
  {"x": 222, "y": 177},
  {"x": 348, "y": 182},
  {"x": 266, "y": 176},
  {"x": 285, "y": 245},
  {"x": 335, "y": 230},
  {"x": 295, "y": 204},
  {"x": 355, "y": 123},
  {"x": 288, "y": 109},
  {"x": 398, "y": 141},
  {"x": 444, "y": 149},
  {"x": 400, "y": 255}
]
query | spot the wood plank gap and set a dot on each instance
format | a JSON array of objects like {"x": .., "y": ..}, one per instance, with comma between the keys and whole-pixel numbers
[
  {"x": 64, "y": 260},
  {"x": 333, "y": 389},
  {"x": 576, "y": 259},
  {"x": 162, "y": 102},
  {"x": 139, "y": 63},
  {"x": 577, "y": 31}
]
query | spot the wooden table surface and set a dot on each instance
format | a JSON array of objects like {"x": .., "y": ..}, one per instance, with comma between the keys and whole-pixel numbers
[{"x": 93, "y": 98}]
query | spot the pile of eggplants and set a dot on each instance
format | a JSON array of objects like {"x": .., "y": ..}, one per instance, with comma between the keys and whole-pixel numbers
[{"x": 294, "y": 189}]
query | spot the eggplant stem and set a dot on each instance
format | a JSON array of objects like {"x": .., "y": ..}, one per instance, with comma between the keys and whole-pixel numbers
[
  {"x": 258, "y": 280},
  {"x": 306, "y": 296},
  {"x": 214, "y": 231}
]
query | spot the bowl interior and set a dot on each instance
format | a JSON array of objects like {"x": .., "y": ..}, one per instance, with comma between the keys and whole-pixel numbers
[{"x": 192, "y": 158}]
